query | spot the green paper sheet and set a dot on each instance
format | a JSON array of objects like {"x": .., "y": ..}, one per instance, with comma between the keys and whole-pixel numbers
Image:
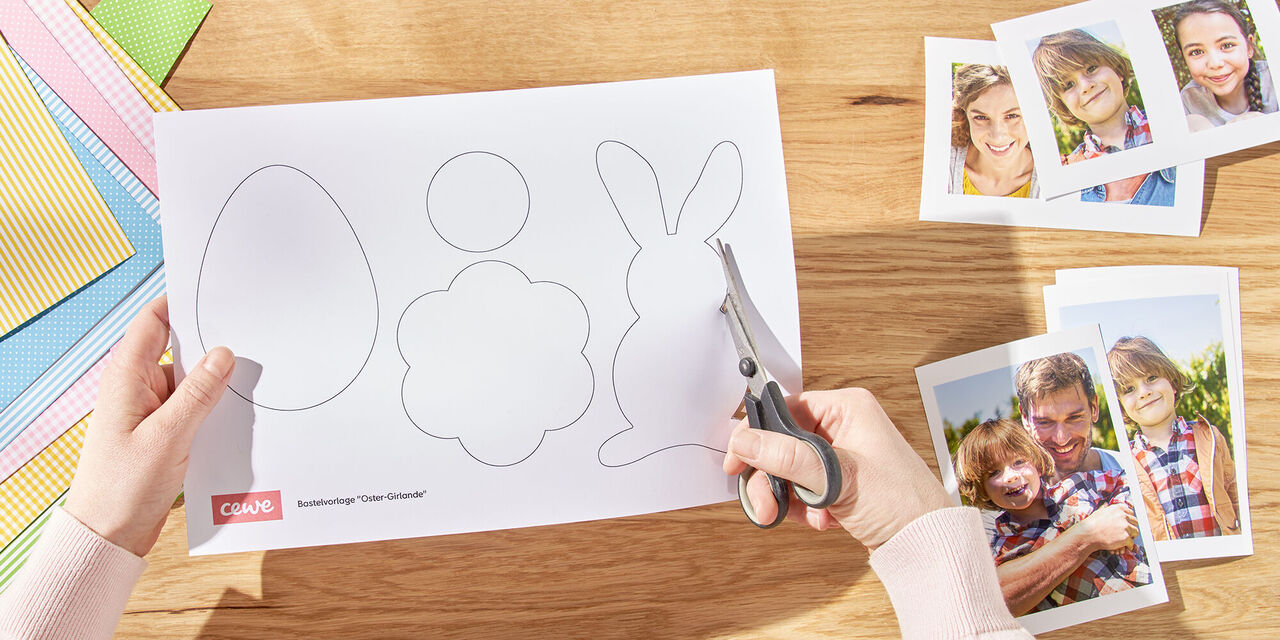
[{"x": 153, "y": 32}]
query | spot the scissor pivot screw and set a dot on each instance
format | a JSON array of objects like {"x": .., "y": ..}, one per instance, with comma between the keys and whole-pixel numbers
[{"x": 747, "y": 367}]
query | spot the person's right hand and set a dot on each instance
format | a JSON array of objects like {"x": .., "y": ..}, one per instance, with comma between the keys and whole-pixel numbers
[
  {"x": 136, "y": 447},
  {"x": 885, "y": 487},
  {"x": 1111, "y": 528}
]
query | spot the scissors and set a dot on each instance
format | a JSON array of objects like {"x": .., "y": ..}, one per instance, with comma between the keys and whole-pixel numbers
[{"x": 767, "y": 409}]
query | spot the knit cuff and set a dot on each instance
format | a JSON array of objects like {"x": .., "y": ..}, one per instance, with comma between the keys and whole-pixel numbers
[
  {"x": 74, "y": 584},
  {"x": 941, "y": 578}
]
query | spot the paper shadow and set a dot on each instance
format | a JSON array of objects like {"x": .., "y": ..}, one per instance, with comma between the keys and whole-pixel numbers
[
  {"x": 236, "y": 411},
  {"x": 1212, "y": 165}
]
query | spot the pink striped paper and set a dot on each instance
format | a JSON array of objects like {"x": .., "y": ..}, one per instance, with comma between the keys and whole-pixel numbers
[
  {"x": 98, "y": 66},
  {"x": 74, "y": 404},
  {"x": 72, "y": 63}
]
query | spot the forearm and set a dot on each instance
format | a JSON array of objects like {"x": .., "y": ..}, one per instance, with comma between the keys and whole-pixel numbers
[
  {"x": 941, "y": 580},
  {"x": 75, "y": 584},
  {"x": 1027, "y": 580}
]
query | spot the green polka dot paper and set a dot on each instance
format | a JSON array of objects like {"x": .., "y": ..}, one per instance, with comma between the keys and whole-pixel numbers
[{"x": 153, "y": 32}]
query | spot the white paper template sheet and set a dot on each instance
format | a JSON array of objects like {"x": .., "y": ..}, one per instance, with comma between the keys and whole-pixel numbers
[
  {"x": 1133, "y": 29},
  {"x": 943, "y": 202},
  {"x": 1184, "y": 310},
  {"x": 976, "y": 384},
  {"x": 470, "y": 312}
]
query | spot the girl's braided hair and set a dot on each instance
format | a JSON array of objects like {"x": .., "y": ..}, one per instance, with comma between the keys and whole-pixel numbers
[{"x": 1252, "y": 80}]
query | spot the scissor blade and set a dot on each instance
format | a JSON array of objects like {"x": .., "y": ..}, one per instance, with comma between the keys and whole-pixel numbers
[{"x": 739, "y": 326}]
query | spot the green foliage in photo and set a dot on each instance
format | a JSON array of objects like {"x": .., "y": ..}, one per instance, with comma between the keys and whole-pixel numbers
[
  {"x": 1164, "y": 18},
  {"x": 1070, "y": 137},
  {"x": 1104, "y": 433},
  {"x": 1209, "y": 399}
]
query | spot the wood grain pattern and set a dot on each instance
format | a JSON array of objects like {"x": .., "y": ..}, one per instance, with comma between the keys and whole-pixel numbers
[{"x": 880, "y": 293}]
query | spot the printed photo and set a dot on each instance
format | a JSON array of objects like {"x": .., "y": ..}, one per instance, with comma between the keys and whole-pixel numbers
[
  {"x": 1219, "y": 61},
  {"x": 1173, "y": 357},
  {"x": 1087, "y": 81},
  {"x": 1028, "y": 433},
  {"x": 1114, "y": 93},
  {"x": 979, "y": 166},
  {"x": 989, "y": 153}
]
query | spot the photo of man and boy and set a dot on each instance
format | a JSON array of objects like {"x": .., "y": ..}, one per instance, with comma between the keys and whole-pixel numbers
[
  {"x": 1034, "y": 444},
  {"x": 1043, "y": 474}
]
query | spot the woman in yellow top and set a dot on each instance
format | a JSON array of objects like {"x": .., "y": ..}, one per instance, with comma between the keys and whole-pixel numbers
[{"x": 990, "y": 155}]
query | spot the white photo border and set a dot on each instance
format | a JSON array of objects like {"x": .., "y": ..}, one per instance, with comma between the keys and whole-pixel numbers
[
  {"x": 1064, "y": 212},
  {"x": 1001, "y": 356},
  {"x": 1172, "y": 140},
  {"x": 1162, "y": 282}
]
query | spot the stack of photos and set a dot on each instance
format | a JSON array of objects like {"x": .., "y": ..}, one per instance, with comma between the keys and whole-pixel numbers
[
  {"x": 979, "y": 166},
  {"x": 1029, "y": 432},
  {"x": 1174, "y": 354},
  {"x": 1118, "y": 89}
]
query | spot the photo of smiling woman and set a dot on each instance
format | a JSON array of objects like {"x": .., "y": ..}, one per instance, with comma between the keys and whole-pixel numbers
[
  {"x": 1217, "y": 56},
  {"x": 989, "y": 152}
]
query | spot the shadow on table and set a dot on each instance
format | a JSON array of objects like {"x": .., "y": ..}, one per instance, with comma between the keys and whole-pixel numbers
[
  {"x": 695, "y": 573},
  {"x": 1212, "y": 165},
  {"x": 873, "y": 307}
]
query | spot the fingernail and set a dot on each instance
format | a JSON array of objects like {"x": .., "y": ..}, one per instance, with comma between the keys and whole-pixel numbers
[
  {"x": 218, "y": 362},
  {"x": 746, "y": 444}
]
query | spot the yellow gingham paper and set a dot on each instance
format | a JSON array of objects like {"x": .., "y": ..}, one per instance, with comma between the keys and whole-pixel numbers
[
  {"x": 56, "y": 232},
  {"x": 155, "y": 96},
  {"x": 31, "y": 489}
]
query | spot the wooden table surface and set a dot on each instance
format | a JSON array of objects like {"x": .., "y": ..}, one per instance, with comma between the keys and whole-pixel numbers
[{"x": 880, "y": 293}]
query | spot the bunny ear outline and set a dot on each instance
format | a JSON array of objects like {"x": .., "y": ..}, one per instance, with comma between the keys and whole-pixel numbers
[
  {"x": 632, "y": 185},
  {"x": 714, "y": 196}
]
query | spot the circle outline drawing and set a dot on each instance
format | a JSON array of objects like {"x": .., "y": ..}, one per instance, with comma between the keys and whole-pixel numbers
[{"x": 528, "y": 203}]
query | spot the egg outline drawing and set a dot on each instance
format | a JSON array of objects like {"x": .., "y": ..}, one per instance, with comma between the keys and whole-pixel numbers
[{"x": 373, "y": 286}]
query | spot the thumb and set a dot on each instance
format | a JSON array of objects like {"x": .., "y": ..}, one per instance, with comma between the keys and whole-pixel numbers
[
  {"x": 780, "y": 455},
  {"x": 193, "y": 399}
]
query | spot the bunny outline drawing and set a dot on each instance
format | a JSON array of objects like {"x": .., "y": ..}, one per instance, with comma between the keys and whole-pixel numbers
[{"x": 675, "y": 286}]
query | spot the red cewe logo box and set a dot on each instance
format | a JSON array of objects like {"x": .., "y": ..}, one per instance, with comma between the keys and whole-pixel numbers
[{"x": 247, "y": 507}]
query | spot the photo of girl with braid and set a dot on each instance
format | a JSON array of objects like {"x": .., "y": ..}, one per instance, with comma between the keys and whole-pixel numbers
[{"x": 1229, "y": 77}]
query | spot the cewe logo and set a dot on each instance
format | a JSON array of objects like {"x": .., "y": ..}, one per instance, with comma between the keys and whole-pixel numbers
[{"x": 247, "y": 507}]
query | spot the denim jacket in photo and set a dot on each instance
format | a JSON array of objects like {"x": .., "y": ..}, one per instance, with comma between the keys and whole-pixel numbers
[{"x": 1156, "y": 190}]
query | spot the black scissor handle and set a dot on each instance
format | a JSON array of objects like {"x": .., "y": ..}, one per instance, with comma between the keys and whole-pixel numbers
[
  {"x": 778, "y": 418},
  {"x": 770, "y": 413},
  {"x": 781, "y": 497}
]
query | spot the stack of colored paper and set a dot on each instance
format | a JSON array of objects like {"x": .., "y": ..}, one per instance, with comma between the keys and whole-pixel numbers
[{"x": 79, "y": 226}]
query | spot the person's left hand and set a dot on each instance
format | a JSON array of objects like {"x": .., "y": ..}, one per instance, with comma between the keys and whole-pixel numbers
[{"x": 135, "y": 451}]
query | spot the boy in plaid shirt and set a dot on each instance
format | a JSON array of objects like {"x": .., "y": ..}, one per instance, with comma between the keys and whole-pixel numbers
[
  {"x": 1185, "y": 469},
  {"x": 1085, "y": 81},
  {"x": 1000, "y": 466}
]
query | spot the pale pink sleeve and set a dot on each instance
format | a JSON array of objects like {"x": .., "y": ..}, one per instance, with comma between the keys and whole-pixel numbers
[
  {"x": 75, "y": 584},
  {"x": 942, "y": 581}
]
